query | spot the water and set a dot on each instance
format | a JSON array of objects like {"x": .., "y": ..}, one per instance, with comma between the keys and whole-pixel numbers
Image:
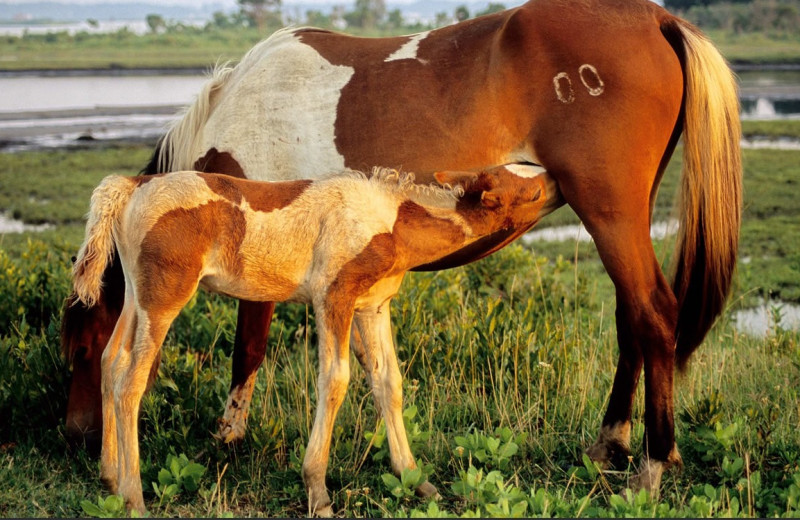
[
  {"x": 42, "y": 93},
  {"x": 770, "y": 94},
  {"x": 102, "y": 26},
  {"x": 577, "y": 232},
  {"x": 58, "y": 111},
  {"x": 761, "y": 320},
  {"x": 49, "y": 110},
  {"x": 11, "y": 225}
]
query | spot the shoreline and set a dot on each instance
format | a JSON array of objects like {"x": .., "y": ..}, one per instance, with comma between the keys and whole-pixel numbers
[{"x": 118, "y": 71}]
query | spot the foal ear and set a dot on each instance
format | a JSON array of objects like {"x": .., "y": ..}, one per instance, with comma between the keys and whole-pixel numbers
[
  {"x": 491, "y": 199},
  {"x": 455, "y": 178}
]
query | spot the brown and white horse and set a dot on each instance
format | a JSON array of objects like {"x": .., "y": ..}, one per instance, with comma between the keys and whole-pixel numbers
[
  {"x": 342, "y": 244},
  {"x": 596, "y": 91}
]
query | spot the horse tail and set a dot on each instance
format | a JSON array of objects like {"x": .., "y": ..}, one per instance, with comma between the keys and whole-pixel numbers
[
  {"x": 710, "y": 199},
  {"x": 108, "y": 201},
  {"x": 181, "y": 144}
]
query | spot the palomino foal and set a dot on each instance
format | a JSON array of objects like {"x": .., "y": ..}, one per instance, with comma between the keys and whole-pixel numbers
[{"x": 342, "y": 244}]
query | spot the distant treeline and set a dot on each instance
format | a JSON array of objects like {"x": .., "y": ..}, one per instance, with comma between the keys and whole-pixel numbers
[{"x": 769, "y": 16}]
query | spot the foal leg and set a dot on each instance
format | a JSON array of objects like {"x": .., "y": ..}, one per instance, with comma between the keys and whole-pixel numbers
[
  {"x": 250, "y": 345},
  {"x": 380, "y": 363},
  {"x": 130, "y": 383},
  {"x": 333, "y": 328}
]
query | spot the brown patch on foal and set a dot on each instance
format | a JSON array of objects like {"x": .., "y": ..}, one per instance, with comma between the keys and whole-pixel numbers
[
  {"x": 268, "y": 197},
  {"x": 357, "y": 276},
  {"x": 223, "y": 187},
  {"x": 421, "y": 234},
  {"x": 177, "y": 243},
  {"x": 261, "y": 196}
]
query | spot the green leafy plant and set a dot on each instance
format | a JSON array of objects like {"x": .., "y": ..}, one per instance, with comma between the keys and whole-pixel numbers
[
  {"x": 490, "y": 451},
  {"x": 113, "y": 506},
  {"x": 416, "y": 437},
  {"x": 406, "y": 485},
  {"x": 179, "y": 474}
]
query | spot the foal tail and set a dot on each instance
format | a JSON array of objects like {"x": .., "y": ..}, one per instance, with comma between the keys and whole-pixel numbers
[
  {"x": 710, "y": 201},
  {"x": 108, "y": 201}
]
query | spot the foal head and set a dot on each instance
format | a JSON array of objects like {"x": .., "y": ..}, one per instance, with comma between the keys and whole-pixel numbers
[{"x": 510, "y": 196}]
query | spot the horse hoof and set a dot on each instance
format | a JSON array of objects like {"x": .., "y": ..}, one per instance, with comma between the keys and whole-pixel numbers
[
  {"x": 649, "y": 477},
  {"x": 229, "y": 433},
  {"x": 611, "y": 447},
  {"x": 428, "y": 490}
]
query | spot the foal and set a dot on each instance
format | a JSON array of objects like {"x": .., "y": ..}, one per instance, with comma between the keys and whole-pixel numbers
[{"x": 342, "y": 244}]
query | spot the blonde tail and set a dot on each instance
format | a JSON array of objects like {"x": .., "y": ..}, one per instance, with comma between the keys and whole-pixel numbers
[
  {"x": 108, "y": 201},
  {"x": 711, "y": 188}
]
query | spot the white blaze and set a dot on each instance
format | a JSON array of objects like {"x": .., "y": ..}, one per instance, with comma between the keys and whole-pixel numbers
[
  {"x": 408, "y": 51},
  {"x": 527, "y": 171}
]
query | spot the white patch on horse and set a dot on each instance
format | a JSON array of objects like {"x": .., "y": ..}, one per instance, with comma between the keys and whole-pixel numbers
[
  {"x": 408, "y": 51},
  {"x": 563, "y": 86},
  {"x": 596, "y": 85},
  {"x": 527, "y": 171},
  {"x": 277, "y": 114}
]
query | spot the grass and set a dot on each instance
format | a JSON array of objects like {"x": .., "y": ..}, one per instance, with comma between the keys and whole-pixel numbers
[
  {"x": 757, "y": 48},
  {"x": 515, "y": 351},
  {"x": 201, "y": 48}
]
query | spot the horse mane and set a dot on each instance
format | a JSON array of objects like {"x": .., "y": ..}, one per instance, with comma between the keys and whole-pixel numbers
[{"x": 181, "y": 142}]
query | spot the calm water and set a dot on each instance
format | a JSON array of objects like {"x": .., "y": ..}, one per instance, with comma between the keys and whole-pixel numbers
[
  {"x": 770, "y": 94},
  {"x": 48, "y": 110}
]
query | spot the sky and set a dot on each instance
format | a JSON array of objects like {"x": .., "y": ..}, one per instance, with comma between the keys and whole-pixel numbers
[{"x": 231, "y": 2}]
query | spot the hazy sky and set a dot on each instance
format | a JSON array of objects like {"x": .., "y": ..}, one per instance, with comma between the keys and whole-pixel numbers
[{"x": 233, "y": 2}]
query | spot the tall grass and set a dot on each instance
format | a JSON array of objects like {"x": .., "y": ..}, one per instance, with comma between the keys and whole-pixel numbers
[{"x": 507, "y": 366}]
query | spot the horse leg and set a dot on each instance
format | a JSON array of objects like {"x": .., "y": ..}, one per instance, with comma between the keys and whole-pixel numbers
[
  {"x": 333, "y": 328},
  {"x": 121, "y": 337},
  {"x": 380, "y": 363},
  {"x": 646, "y": 320},
  {"x": 249, "y": 348}
]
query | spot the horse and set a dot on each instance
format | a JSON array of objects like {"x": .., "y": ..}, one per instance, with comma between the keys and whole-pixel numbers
[
  {"x": 342, "y": 244},
  {"x": 598, "y": 92}
]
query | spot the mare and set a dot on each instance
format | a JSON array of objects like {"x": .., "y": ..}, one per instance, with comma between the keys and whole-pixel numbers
[
  {"x": 598, "y": 92},
  {"x": 342, "y": 244}
]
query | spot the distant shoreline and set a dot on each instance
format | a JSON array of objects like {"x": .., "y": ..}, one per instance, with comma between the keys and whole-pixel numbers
[
  {"x": 201, "y": 71},
  {"x": 109, "y": 71}
]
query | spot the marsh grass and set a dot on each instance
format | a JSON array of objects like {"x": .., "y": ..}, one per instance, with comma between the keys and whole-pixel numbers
[
  {"x": 190, "y": 47},
  {"x": 521, "y": 342}
]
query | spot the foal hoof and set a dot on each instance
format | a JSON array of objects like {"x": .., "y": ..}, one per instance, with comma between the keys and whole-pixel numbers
[
  {"x": 323, "y": 511},
  {"x": 428, "y": 490}
]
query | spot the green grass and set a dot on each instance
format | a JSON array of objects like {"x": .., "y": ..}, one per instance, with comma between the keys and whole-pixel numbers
[
  {"x": 521, "y": 342},
  {"x": 202, "y": 48},
  {"x": 782, "y": 128},
  {"x": 757, "y": 48}
]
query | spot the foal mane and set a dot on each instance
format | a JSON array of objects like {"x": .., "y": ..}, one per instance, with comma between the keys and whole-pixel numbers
[{"x": 404, "y": 184}]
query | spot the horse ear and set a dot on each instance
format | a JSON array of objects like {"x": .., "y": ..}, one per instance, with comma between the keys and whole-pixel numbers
[
  {"x": 455, "y": 178},
  {"x": 491, "y": 199}
]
